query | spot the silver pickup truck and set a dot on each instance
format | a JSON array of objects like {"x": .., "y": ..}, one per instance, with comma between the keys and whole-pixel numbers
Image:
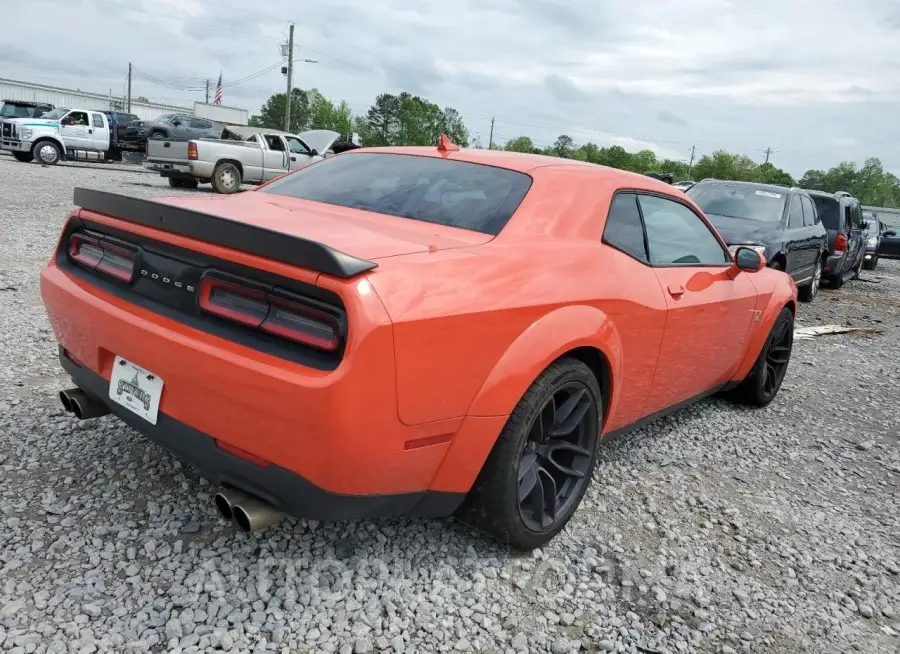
[{"x": 244, "y": 155}]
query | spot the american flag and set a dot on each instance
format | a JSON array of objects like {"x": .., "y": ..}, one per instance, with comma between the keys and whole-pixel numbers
[{"x": 218, "y": 99}]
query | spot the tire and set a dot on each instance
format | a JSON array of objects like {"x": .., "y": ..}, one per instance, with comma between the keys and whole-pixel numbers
[
  {"x": 24, "y": 157},
  {"x": 157, "y": 136},
  {"x": 190, "y": 183},
  {"x": 176, "y": 182},
  {"x": 776, "y": 265},
  {"x": 520, "y": 456},
  {"x": 46, "y": 153},
  {"x": 760, "y": 387},
  {"x": 808, "y": 293},
  {"x": 871, "y": 264},
  {"x": 226, "y": 178},
  {"x": 837, "y": 281}
]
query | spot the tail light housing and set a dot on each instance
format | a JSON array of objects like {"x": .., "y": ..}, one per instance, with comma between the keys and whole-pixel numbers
[
  {"x": 294, "y": 319},
  {"x": 840, "y": 244},
  {"x": 102, "y": 255},
  {"x": 192, "y": 151}
]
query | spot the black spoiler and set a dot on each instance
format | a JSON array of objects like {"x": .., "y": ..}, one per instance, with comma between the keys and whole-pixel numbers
[{"x": 225, "y": 232}]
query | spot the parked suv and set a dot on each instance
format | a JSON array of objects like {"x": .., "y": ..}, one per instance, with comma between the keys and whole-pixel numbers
[
  {"x": 873, "y": 228},
  {"x": 780, "y": 223},
  {"x": 841, "y": 214},
  {"x": 172, "y": 127}
]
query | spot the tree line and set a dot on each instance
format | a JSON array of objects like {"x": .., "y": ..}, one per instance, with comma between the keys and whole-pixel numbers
[{"x": 407, "y": 119}]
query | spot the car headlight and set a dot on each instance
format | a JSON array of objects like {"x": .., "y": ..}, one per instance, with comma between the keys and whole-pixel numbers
[
  {"x": 872, "y": 242},
  {"x": 26, "y": 133},
  {"x": 759, "y": 249}
]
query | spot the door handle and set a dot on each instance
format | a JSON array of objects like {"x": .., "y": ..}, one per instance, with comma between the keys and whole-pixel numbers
[
  {"x": 676, "y": 290},
  {"x": 293, "y": 158},
  {"x": 90, "y": 131}
]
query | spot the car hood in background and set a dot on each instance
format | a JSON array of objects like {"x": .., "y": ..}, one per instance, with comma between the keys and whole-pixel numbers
[
  {"x": 737, "y": 231},
  {"x": 319, "y": 140}
]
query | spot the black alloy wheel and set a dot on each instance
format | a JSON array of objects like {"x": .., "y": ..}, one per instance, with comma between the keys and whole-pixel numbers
[
  {"x": 778, "y": 356},
  {"x": 556, "y": 459},
  {"x": 540, "y": 466}
]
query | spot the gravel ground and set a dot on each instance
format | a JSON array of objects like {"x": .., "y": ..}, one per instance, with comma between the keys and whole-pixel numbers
[{"x": 719, "y": 529}]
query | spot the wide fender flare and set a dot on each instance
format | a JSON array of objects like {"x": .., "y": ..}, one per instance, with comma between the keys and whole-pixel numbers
[
  {"x": 543, "y": 342},
  {"x": 777, "y": 302}
]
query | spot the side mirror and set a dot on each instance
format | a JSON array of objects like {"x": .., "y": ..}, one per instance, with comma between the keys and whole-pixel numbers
[
  {"x": 890, "y": 232},
  {"x": 749, "y": 260},
  {"x": 314, "y": 153},
  {"x": 176, "y": 122}
]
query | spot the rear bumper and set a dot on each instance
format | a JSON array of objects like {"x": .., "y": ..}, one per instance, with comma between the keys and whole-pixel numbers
[
  {"x": 284, "y": 489},
  {"x": 169, "y": 169},
  {"x": 834, "y": 264},
  {"x": 317, "y": 434}
]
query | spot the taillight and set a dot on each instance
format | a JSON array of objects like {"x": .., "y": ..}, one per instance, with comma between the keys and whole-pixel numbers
[
  {"x": 192, "y": 151},
  {"x": 102, "y": 256},
  {"x": 840, "y": 243},
  {"x": 269, "y": 313}
]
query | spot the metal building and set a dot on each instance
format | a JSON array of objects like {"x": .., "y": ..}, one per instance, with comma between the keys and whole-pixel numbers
[{"x": 72, "y": 99}]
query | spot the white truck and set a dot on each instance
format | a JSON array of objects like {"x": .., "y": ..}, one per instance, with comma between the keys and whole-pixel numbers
[
  {"x": 245, "y": 155},
  {"x": 85, "y": 134}
]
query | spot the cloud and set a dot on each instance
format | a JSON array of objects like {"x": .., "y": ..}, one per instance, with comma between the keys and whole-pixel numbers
[{"x": 791, "y": 74}]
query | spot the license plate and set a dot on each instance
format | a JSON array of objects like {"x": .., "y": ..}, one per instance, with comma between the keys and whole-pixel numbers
[{"x": 136, "y": 389}]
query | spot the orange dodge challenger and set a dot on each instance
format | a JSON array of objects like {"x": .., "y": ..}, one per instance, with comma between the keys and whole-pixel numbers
[{"x": 410, "y": 331}]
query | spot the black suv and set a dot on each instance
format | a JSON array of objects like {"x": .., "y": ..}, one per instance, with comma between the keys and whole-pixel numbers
[
  {"x": 780, "y": 223},
  {"x": 841, "y": 214}
]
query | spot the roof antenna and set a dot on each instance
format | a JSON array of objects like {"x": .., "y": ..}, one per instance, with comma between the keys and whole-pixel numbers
[{"x": 446, "y": 145}]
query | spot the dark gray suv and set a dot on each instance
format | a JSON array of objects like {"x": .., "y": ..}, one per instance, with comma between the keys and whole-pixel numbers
[{"x": 841, "y": 213}]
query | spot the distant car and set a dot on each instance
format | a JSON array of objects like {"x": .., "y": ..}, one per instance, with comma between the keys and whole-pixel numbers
[
  {"x": 841, "y": 214},
  {"x": 120, "y": 121},
  {"x": 889, "y": 248},
  {"x": 409, "y": 331},
  {"x": 778, "y": 222},
  {"x": 172, "y": 127},
  {"x": 23, "y": 109},
  {"x": 873, "y": 234},
  {"x": 684, "y": 185}
]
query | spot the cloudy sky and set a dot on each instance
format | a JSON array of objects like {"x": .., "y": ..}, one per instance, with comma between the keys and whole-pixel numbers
[{"x": 816, "y": 81}]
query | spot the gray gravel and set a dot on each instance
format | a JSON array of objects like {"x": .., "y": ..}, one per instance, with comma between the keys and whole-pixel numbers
[{"x": 719, "y": 529}]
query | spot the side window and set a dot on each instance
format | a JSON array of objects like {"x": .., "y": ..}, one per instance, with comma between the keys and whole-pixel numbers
[
  {"x": 857, "y": 215},
  {"x": 274, "y": 142},
  {"x": 252, "y": 139},
  {"x": 848, "y": 217},
  {"x": 624, "y": 230},
  {"x": 810, "y": 216},
  {"x": 75, "y": 118},
  {"x": 98, "y": 121},
  {"x": 678, "y": 236},
  {"x": 795, "y": 218},
  {"x": 200, "y": 123},
  {"x": 296, "y": 146}
]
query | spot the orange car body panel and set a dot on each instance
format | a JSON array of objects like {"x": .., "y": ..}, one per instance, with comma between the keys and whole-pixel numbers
[{"x": 445, "y": 335}]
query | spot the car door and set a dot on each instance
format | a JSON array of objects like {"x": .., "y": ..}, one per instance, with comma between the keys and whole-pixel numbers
[
  {"x": 890, "y": 243},
  {"x": 180, "y": 128},
  {"x": 100, "y": 135},
  {"x": 710, "y": 306},
  {"x": 816, "y": 240},
  {"x": 794, "y": 238},
  {"x": 75, "y": 130},
  {"x": 200, "y": 127},
  {"x": 275, "y": 156},
  {"x": 638, "y": 309},
  {"x": 856, "y": 236},
  {"x": 299, "y": 154}
]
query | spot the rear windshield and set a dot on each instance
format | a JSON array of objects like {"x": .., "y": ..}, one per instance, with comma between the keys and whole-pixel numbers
[
  {"x": 829, "y": 211},
  {"x": 739, "y": 201},
  {"x": 454, "y": 193},
  {"x": 10, "y": 110}
]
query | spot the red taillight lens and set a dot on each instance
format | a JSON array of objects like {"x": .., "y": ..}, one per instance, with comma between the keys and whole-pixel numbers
[
  {"x": 840, "y": 243},
  {"x": 192, "y": 151},
  {"x": 102, "y": 256},
  {"x": 269, "y": 313}
]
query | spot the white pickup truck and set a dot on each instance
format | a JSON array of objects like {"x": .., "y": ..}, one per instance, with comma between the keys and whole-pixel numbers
[
  {"x": 61, "y": 134},
  {"x": 245, "y": 155}
]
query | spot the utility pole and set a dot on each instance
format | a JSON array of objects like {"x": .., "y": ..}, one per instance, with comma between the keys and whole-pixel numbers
[
  {"x": 491, "y": 139},
  {"x": 290, "y": 80},
  {"x": 129, "y": 88},
  {"x": 691, "y": 165},
  {"x": 207, "y": 91},
  {"x": 768, "y": 152}
]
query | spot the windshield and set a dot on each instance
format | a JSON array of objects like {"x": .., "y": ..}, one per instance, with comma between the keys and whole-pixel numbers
[
  {"x": 16, "y": 111},
  {"x": 829, "y": 211},
  {"x": 165, "y": 118},
  {"x": 454, "y": 193},
  {"x": 739, "y": 201}
]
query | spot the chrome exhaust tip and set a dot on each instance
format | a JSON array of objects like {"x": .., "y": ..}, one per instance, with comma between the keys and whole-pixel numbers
[
  {"x": 76, "y": 401},
  {"x": 248, "y": 513}
]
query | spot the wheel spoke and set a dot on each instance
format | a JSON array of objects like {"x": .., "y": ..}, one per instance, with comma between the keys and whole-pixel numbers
[
  {"x": 779, "y": 354},
  {"x": 562, "y": 446},
  {"x": 528, "y": 478},
  {"x": 571, "y": 413},
  {"x": 548, "y": 499}
]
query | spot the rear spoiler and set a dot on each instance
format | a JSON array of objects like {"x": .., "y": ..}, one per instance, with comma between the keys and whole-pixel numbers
[{"x": 225, "y": 232}]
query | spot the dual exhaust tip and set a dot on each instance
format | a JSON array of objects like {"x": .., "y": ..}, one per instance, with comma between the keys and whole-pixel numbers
[
  {"x": 82, "y": 405},
  {"x": 249, "y": 513}
]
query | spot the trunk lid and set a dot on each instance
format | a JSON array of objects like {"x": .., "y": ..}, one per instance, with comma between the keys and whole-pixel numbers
[{"x": 361, "y": 234}]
